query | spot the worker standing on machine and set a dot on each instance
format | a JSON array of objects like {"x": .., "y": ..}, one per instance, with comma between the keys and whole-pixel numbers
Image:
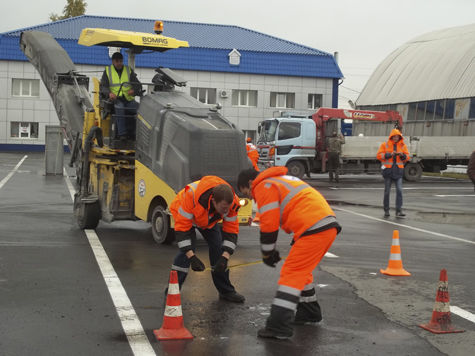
[{"x": 120, "y": 84}]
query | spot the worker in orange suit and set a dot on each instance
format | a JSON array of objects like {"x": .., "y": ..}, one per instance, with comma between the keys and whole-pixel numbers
[
  {"x": 252, "y": 153},
  {"x": 288, "y": 202},
  {"x": 200, "y": 205},
  {"x": 393, "y": 154}
]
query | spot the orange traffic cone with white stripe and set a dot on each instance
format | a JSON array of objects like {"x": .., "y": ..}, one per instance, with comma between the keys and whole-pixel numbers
[
  {"x": 172, "y": 327},
  {"x": 395, "y": 267},
  {"x": 441, "y": 322}
]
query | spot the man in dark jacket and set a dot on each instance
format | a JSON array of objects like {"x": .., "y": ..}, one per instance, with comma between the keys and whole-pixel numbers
[{"x": 471, "y": 169}]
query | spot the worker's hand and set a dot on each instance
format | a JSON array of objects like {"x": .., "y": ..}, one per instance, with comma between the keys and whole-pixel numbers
[
  {"x": 131, "y": 92},
  {"x": 402, "y": 156},
  {"x": 272, "y": 258},
  {"x": 221, "y": 265},
  {"x": 388, "y": 155},
  {"x": 196, "y": 264},
  {"x": 112, "y": 96}
]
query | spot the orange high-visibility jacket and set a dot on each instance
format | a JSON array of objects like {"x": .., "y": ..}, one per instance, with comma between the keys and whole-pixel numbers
[
  {"x": 193, "y": 207},
  {"x": 388, "y": 147},
  {"x": 291, "y": 203},
  {"x": 253, "y": 155}
]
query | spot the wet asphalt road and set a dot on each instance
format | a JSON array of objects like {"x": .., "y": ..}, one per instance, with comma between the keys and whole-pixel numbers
[{"x": 54, "y": 301}]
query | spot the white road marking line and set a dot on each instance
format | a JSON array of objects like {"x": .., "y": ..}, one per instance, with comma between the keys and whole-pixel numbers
[
  {"x": 71, "y": 189},
  {"x": 129, "y": 319},
  {"x": 407, "y": 226},
  {"x": 9, "y": 175},
  {"x": 331, "y": 255},
  {"x": 322, "y": 285},
  {"x": 462, "y": 313},
  {"x": 404, "y": 188},
  {"x": 454, "y": 195}
]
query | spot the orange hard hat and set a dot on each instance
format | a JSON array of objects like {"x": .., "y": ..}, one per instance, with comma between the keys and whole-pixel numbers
[{"x": 248, "y": 139}]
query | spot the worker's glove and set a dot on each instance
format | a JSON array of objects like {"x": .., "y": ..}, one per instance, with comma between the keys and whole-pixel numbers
[
  {"x": 271, "y": 258},
  {"x": 402, "y": 156},
  {"x": 388, "y": 155},
  {"x": 196, "y": 264},
  {"x": 221, "y": 265}
]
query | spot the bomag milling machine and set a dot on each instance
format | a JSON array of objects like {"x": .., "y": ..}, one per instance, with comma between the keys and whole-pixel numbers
[{"x": 178, "y": 138}]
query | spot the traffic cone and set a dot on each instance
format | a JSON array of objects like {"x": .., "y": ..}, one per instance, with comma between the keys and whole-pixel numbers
[
  {"x": 172, "y": 327},
  {"x": 395, "y": 263},
  {"x": 441, "y": 322}
]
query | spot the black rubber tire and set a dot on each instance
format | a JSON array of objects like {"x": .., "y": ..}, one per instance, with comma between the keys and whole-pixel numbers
[
  {"x": 87, "y": 215},
  {"x": 412, "y": 172},
  {"x": 296, "y": 169},
  {"x": 161, "y": 231}
]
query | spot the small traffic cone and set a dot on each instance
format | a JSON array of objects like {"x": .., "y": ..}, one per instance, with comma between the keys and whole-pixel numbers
[
  {"x": 172, "y": 327},
  {"x": 441, "y": 321},
  {"x": 395, "y": 263}
]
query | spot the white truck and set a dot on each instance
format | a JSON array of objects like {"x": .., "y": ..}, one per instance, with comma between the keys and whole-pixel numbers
[{"x": 300, "y": 143}]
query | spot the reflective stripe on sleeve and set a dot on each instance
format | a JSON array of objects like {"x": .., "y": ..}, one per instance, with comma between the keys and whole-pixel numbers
[
  {"x": 185, "y": 214},
  {"x": 232, "y": 218},
  {"x": 268, "y": 207}
]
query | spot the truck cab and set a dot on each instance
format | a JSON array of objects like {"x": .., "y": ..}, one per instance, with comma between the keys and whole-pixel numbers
[{"x": 288, "y": 141}]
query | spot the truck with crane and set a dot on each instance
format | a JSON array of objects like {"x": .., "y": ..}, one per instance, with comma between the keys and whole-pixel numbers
[
  {"x": 300, "y": 143},
  {"x": 178, "y": 138}
]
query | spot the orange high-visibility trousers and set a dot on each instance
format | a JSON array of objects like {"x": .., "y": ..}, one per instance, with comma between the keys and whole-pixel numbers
[{"x": 304, "y": 257}]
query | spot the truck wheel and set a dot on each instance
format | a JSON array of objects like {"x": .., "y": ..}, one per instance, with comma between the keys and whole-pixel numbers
[
  {"x": 87, "y": 214},
  {"x": 296, "y": 169},
  {"x": 412, "y": 172},
  {"x": 161, "y": 231}
]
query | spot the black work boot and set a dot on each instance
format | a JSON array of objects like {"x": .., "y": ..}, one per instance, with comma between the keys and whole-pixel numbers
[
  {"x": 308, "y": 313},
  {"x": 278, "y": 324},
  {"x": 400, "y": 214},
  {"x": 330, "y": 176},
  {"x": 386, "y": 214}
]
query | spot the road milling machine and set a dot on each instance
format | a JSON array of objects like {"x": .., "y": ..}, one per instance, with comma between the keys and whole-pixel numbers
[{"x": 178, "y": 138}]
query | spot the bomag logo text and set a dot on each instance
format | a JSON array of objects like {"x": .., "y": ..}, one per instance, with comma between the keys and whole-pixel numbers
[{"x": 155, "y": 40}]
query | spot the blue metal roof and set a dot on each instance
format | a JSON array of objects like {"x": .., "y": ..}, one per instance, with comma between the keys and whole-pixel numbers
[{"x": 209, "y": 47}]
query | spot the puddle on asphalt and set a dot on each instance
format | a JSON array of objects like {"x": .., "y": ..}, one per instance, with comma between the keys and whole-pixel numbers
[{"x": 446, "y": 218}]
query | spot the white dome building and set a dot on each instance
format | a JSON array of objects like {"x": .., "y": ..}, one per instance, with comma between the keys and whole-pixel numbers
[{"x": 430, "y": 80}]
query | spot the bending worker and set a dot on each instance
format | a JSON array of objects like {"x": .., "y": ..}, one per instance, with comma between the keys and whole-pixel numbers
[
  {"x": 252, "y": 153},
  {"x": 119, "y": 84},
  {"x": 302, "y": 210},
  {"x": 393, "y": 154},
  {"x": 202, "y": 204}
]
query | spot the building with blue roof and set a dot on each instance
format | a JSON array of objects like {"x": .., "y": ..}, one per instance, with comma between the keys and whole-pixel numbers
[{"x": 250, "y": 74}]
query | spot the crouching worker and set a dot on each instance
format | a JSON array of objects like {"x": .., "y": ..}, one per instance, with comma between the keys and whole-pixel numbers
[
  {"x": 200, "y": 205},
  {"x": 302, "y": 210}
]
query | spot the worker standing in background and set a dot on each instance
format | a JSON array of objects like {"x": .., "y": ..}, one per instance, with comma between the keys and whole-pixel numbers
[
  {"x": 252, "y": 153},
  {"x": 200, "y": 205},
  {"x": 120, "y": 84},
  {"x": 288, "y": 202},
  {"x": 471, "y": 169},
  {"x": 334, "y": 151},
  {"x": 393, "y": 154}
]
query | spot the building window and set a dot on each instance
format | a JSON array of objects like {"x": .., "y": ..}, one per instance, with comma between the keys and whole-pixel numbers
[
  {"x": 288, "y": 130},
  {"x": 205, "y": 95},
  {"x": 282, "y": 100},
  {"x": 26, "y": 87},
  {"x": 23, "y": 129},
  {"x": 244, "y": 97},
  {"x": 314, "y": 101}
]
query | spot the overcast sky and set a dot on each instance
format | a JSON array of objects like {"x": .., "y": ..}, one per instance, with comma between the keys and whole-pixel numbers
[{"x": 363, "y": 32}]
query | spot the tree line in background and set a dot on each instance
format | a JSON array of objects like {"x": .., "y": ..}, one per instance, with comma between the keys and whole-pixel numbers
[{"x": 72, "y": 8}]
